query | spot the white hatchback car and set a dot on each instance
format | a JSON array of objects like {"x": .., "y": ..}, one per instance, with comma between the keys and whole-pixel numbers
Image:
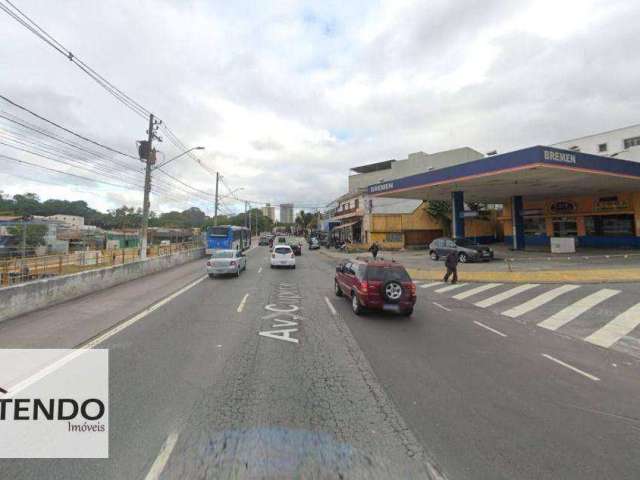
[{"x": 283, "y": 256}]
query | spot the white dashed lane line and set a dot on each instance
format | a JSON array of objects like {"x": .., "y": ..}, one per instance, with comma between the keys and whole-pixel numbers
[
  {"x": 441, "y": 306},
  {"x": 487, "y": 327},
  {"x": 331, "y": 307},
  {"x": 244, "y": 300},
  {"x": 161, "y": 460},
  {"x": 571, "y": 367}
]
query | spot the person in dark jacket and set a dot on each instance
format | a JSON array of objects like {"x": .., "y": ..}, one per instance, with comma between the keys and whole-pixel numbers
[
  {"x": 451, "y": 263},
  {"x": 374, "y": 250}
]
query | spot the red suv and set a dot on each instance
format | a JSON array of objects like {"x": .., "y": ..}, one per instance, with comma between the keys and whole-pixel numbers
[{"x": 375, "y": 285}]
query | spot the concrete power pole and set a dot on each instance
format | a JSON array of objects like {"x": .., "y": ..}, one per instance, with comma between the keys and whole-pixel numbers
[
  {"x": 215, "y": 211},
  {"x": 147, "y": 190}
]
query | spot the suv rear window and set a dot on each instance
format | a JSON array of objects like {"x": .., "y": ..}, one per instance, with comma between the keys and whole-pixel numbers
[
  {"x": 385, "y": 274},
  {"x": 282, "y": 250}
]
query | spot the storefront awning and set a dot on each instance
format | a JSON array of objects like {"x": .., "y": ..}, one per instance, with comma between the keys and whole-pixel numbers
[{"x": 345, "y": 225}]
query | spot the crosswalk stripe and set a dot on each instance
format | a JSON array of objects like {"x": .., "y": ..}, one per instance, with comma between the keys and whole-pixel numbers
[
  {"x": 450, "y": 287},
  {"x": 616, "y": 328},
  {"x": 538, "y": 301},
  {"x": 473, "y": 291},
  {"x": 576, "y": 309},
  {"x": 487, "y": 302},
  {"x": 427, "y": 285}
]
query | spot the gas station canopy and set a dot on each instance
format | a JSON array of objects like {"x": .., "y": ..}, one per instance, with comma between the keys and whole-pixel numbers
[{"x": 534, "y": 172}]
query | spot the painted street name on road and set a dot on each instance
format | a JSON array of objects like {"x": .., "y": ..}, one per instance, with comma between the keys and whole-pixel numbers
[{"x": 283, "y": 314}]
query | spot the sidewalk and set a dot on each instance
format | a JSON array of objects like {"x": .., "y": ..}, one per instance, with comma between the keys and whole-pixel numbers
[{"x": 596, "y": 266}]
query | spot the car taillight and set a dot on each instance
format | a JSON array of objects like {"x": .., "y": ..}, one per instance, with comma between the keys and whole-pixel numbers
[
  {"x": 412, "y": 289},
  {"x": 364, "y": 287},
  {"x": 232, "y": 263}
]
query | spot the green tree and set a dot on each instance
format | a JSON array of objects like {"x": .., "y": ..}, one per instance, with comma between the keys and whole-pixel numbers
[
  {"x": 34, "y": 234},
  {"x": 440, "y": 211}
]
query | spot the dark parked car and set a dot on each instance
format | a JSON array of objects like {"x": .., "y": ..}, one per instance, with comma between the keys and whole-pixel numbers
[
  {"x": 263, "y": 241},
  {"x": 375, "y": 285},
  {"x": 297, "y": 249},
  {"x": 467, "y": 250}
]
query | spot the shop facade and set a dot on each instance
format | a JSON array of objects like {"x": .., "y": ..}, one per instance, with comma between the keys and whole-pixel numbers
[{"x": 608, "y": 220}]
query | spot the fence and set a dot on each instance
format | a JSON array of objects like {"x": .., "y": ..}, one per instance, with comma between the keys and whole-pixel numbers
[{"x": 19, "y": 270}]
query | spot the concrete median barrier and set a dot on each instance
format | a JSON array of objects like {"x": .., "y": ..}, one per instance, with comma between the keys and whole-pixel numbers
[{"x": 27, "y": 297}]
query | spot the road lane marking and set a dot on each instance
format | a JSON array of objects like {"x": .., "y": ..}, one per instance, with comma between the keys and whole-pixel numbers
[
  {"x": 244, "y": 299},
  {"x": 333, "y": 310},
  {"x": 576, "y": 309},
  {"x": 161, "y": 460},
  {"x": 538, "y": 301},
  {"x": 571, "y": 367},
  {"x": 450, "y": 287},
  {"x": 98, "y": 340},
  {"x": 441, "y": 306},
  {"x": 616, "y": 328},
  {"x": 429, "y": 285},
  {"x": 487, "y": 302},
  {"x": 473, "y": 291},
  {"x": 480, "y": 324},
  {"x": 260, "y": 270}
]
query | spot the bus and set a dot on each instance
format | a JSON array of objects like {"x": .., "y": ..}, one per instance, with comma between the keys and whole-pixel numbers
[{"x": 228, "y": 237}]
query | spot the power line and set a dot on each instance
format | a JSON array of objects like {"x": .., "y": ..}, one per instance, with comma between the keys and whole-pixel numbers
[
  {"x": 64, "y": 128},
  {"x": 39, "y": 32}
]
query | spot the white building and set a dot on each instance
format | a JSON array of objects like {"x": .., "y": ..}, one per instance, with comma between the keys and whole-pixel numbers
[
  {"x": 69, "y": 220},
  {"x": 286, "y": 213},
  {"x": 417, "y": 162},
  {"x": 621, "y": 143},
  {"x": 269, "y": 212}
]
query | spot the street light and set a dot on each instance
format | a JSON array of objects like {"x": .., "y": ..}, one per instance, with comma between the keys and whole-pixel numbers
[{"x": 178, "y": 156}]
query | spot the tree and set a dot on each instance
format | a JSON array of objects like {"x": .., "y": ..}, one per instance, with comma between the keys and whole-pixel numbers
[
  {"x": 34, "y": 234},
  {"x": 440, "y": 211}
]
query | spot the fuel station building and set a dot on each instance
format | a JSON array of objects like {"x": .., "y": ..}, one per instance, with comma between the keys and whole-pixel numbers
[{"x": 546, "y": 192}]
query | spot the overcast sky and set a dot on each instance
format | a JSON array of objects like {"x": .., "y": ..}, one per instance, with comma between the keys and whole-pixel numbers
[{"x": 286, "y": 96}]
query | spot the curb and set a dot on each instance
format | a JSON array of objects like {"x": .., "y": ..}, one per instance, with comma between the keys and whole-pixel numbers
[
  {"x": 547, "y": 276},
  {"x": 596, "y": 275}
]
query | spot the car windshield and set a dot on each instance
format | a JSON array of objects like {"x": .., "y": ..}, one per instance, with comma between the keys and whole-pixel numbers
[
  {"x": 223, "y": 255},
  {"x": 385, "y": 274},
  {"x": 464, "y": 242},
  {"x": 282, "y": 250}
]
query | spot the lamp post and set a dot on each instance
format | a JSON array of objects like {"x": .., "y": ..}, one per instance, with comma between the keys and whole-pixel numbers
[{"x": 178, "y": 156}]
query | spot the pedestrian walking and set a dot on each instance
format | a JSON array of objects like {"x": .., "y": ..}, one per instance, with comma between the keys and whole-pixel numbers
[
  {"x": 374, "y": 249},
  {"x": 451, "y": 263}
]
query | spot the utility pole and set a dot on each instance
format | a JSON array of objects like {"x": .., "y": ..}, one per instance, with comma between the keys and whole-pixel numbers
[
  {"x": 215, "y": 209},
  {"x": 245, "y": 214},
  {"x": 24, "y": 238},
  {"x": 147, "y": 188}
]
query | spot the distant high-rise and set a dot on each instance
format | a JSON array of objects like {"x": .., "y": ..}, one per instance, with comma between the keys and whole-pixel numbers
[
  {"x": 286, "y": 212},
  {"x": 269, "y": 212}
]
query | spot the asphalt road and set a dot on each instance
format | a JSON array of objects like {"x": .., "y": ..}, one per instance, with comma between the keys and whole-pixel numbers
[{"x": 271, "y": 376}]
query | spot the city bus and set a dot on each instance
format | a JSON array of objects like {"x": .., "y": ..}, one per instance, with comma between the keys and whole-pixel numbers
[{"x": 228, "y": 237}]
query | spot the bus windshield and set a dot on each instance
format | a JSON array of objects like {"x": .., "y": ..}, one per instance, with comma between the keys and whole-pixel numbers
[{"x": 218, "y": 231}]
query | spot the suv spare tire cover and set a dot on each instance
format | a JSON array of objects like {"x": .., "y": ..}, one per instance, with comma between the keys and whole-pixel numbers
[{"x": 392, "y": 291}]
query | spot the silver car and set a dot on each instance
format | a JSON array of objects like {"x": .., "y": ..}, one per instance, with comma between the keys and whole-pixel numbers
[{"x": 224, "y": 262}]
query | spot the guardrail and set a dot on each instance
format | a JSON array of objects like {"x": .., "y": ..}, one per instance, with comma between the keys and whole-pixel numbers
[{"x": 16, "y": 270}]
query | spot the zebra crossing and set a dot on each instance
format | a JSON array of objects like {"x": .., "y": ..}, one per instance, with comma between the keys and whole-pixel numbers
[{"x": 608, "y": 317}]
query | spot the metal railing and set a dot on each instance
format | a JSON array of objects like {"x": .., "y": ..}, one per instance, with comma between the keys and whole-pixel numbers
[{"x": 16, "y": 270}]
